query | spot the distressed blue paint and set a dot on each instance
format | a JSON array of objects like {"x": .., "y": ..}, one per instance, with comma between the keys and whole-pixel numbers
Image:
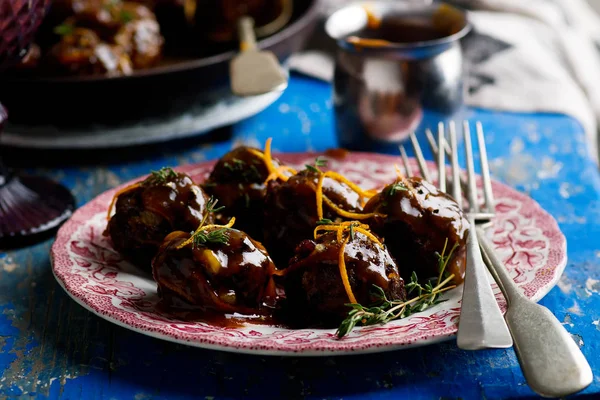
[{"x": 44, "y": 335}]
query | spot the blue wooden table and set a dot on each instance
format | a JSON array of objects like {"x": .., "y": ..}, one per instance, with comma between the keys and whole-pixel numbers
[{"x": 52, "y": 348}]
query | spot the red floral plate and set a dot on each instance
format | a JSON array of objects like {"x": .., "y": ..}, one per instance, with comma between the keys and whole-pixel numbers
[{"x": 84, "y": 262}]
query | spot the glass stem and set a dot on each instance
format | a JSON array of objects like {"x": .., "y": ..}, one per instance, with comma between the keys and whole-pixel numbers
[{"x": 5, "y": 173}]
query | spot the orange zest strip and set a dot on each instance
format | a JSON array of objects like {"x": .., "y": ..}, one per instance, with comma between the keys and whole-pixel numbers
[
  {"x": 348, "y": 214},
  {"x": 319, "y": 193},
  {"x": 341, "y": 178},
  {"x": 399, "y": 172},
  {"x": 287, "y": 168},
  {"x": 278, "y": 173},
  {"x": 274, "y": 172},
  {"x": 257, "y": 153},
  {"x": 339, "y": 226},
  {"x": 344, "y": 272},
  {"x": 271, "y": 177},
  {"x": 320, "y": 197},
  {"x": 345, "y": 227},
  {"x": 268, "y": 159},
  {"x": 116, "y": 196},
  {"x": 369, "y": 235},
  {"x": 204, "y": 228}
]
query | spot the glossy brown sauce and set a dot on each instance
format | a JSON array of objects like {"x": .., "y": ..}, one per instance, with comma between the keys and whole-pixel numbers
[{"x": 222, "y": 320}]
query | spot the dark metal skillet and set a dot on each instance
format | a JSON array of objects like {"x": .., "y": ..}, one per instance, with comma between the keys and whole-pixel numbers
[{"x": 167, "y": 90}]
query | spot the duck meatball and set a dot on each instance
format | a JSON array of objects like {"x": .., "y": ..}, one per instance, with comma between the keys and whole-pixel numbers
[
  {"x": 315, "y": 289},
  {"x": 291, "y": 210},
  {"x": 80, "y": 52},
  {"x": 226, "y": 273},
  {"x": 237, "y": 180},
  {"x": 419, "y": 222},
  {"x": 147, "y": 212},
  {"x": 106, "y": 17},
  {"x": 142, "y": 42}
]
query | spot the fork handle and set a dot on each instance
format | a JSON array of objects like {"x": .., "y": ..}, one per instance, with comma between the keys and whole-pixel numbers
[
  {"x": 551, "y": 361},
  {"x": 246, "y": 33},
  {"x": 481, "y": 325}
]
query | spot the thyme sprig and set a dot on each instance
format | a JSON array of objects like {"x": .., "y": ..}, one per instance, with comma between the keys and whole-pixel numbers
[
  {"x": 385, "y": 310},
  {"x": 395, "y": 187},
  {"x": 324, "y": 221},
  {"x": 64, "y": 29},
  {"x": 126, "y": 16},
  {"x": 248, "y": 172},
  {"x": 319, "y": 162},
  {"x": 202, "y": 235},
  {"x": 161, "y": 176},
  {"x": 218, "y": 236}
]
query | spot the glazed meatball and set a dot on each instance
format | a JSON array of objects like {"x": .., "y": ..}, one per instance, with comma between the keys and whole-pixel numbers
[
  {"x": 106, "y": 37},
  {"x": 107, "y": 17},
  {"x": 146, "y": 213},
  {"x": 419, "y": 219},
  {"x": 315, "y": 292},
  {"x": 291, "y": 212},
  {"x": 142, "y": 42},
  {"x": 237, "y": 180},
  {"x": 80, "y": 52},
  {"x": 226, "y": 276}
]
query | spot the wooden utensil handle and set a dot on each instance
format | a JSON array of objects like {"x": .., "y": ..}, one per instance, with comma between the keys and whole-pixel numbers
[{"x": 246, "y": 33}]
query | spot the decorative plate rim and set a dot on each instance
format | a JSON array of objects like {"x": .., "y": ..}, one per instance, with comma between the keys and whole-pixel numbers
[{"x": 318, "y": 347}]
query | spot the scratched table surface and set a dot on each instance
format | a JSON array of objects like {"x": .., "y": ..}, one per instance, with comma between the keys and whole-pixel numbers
[{"x": 53, "y": 348}]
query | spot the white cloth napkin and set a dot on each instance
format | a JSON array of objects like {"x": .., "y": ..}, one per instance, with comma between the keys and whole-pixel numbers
[{"x": 528, "y": 56}]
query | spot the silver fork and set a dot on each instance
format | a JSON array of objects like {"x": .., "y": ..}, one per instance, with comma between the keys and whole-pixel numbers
[
  {"x": 481, "y": 323},
  {"x": 551, "y": 361}
]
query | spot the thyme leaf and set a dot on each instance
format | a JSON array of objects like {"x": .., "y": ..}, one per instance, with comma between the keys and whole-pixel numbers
[
  {"x": 324, "y": 221},
  {"x": 395, "y": 187},
  {"x": 160, "y": 177},
  {"x": 249, "y": 173},
  {"x": 218, "y": 236},
  {"x": 126, "y": 16},
  {"x": 319, "y": 162},
  {"x": 352, "y": 231},
  {"x": 64, "y": 29}
]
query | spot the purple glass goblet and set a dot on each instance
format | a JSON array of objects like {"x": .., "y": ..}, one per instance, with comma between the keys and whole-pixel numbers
[{"x": 30, "y": 206}]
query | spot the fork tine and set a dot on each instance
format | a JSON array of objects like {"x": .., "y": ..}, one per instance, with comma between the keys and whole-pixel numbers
[
  {"x": 432, "y": 143},
  {"x": 456, "y": 191},
  {"x": 451, "y": 126},
  {"x": 471, "y": 192},
  {"x": 441, "y": 160},
  {"x": 407, "y": 168},
  {"x": 485, "y": 169},
  {"x": 420, "y": 158}
]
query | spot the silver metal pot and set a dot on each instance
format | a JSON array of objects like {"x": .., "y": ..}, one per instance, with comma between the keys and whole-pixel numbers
[{"x": 399, "y": 68}]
